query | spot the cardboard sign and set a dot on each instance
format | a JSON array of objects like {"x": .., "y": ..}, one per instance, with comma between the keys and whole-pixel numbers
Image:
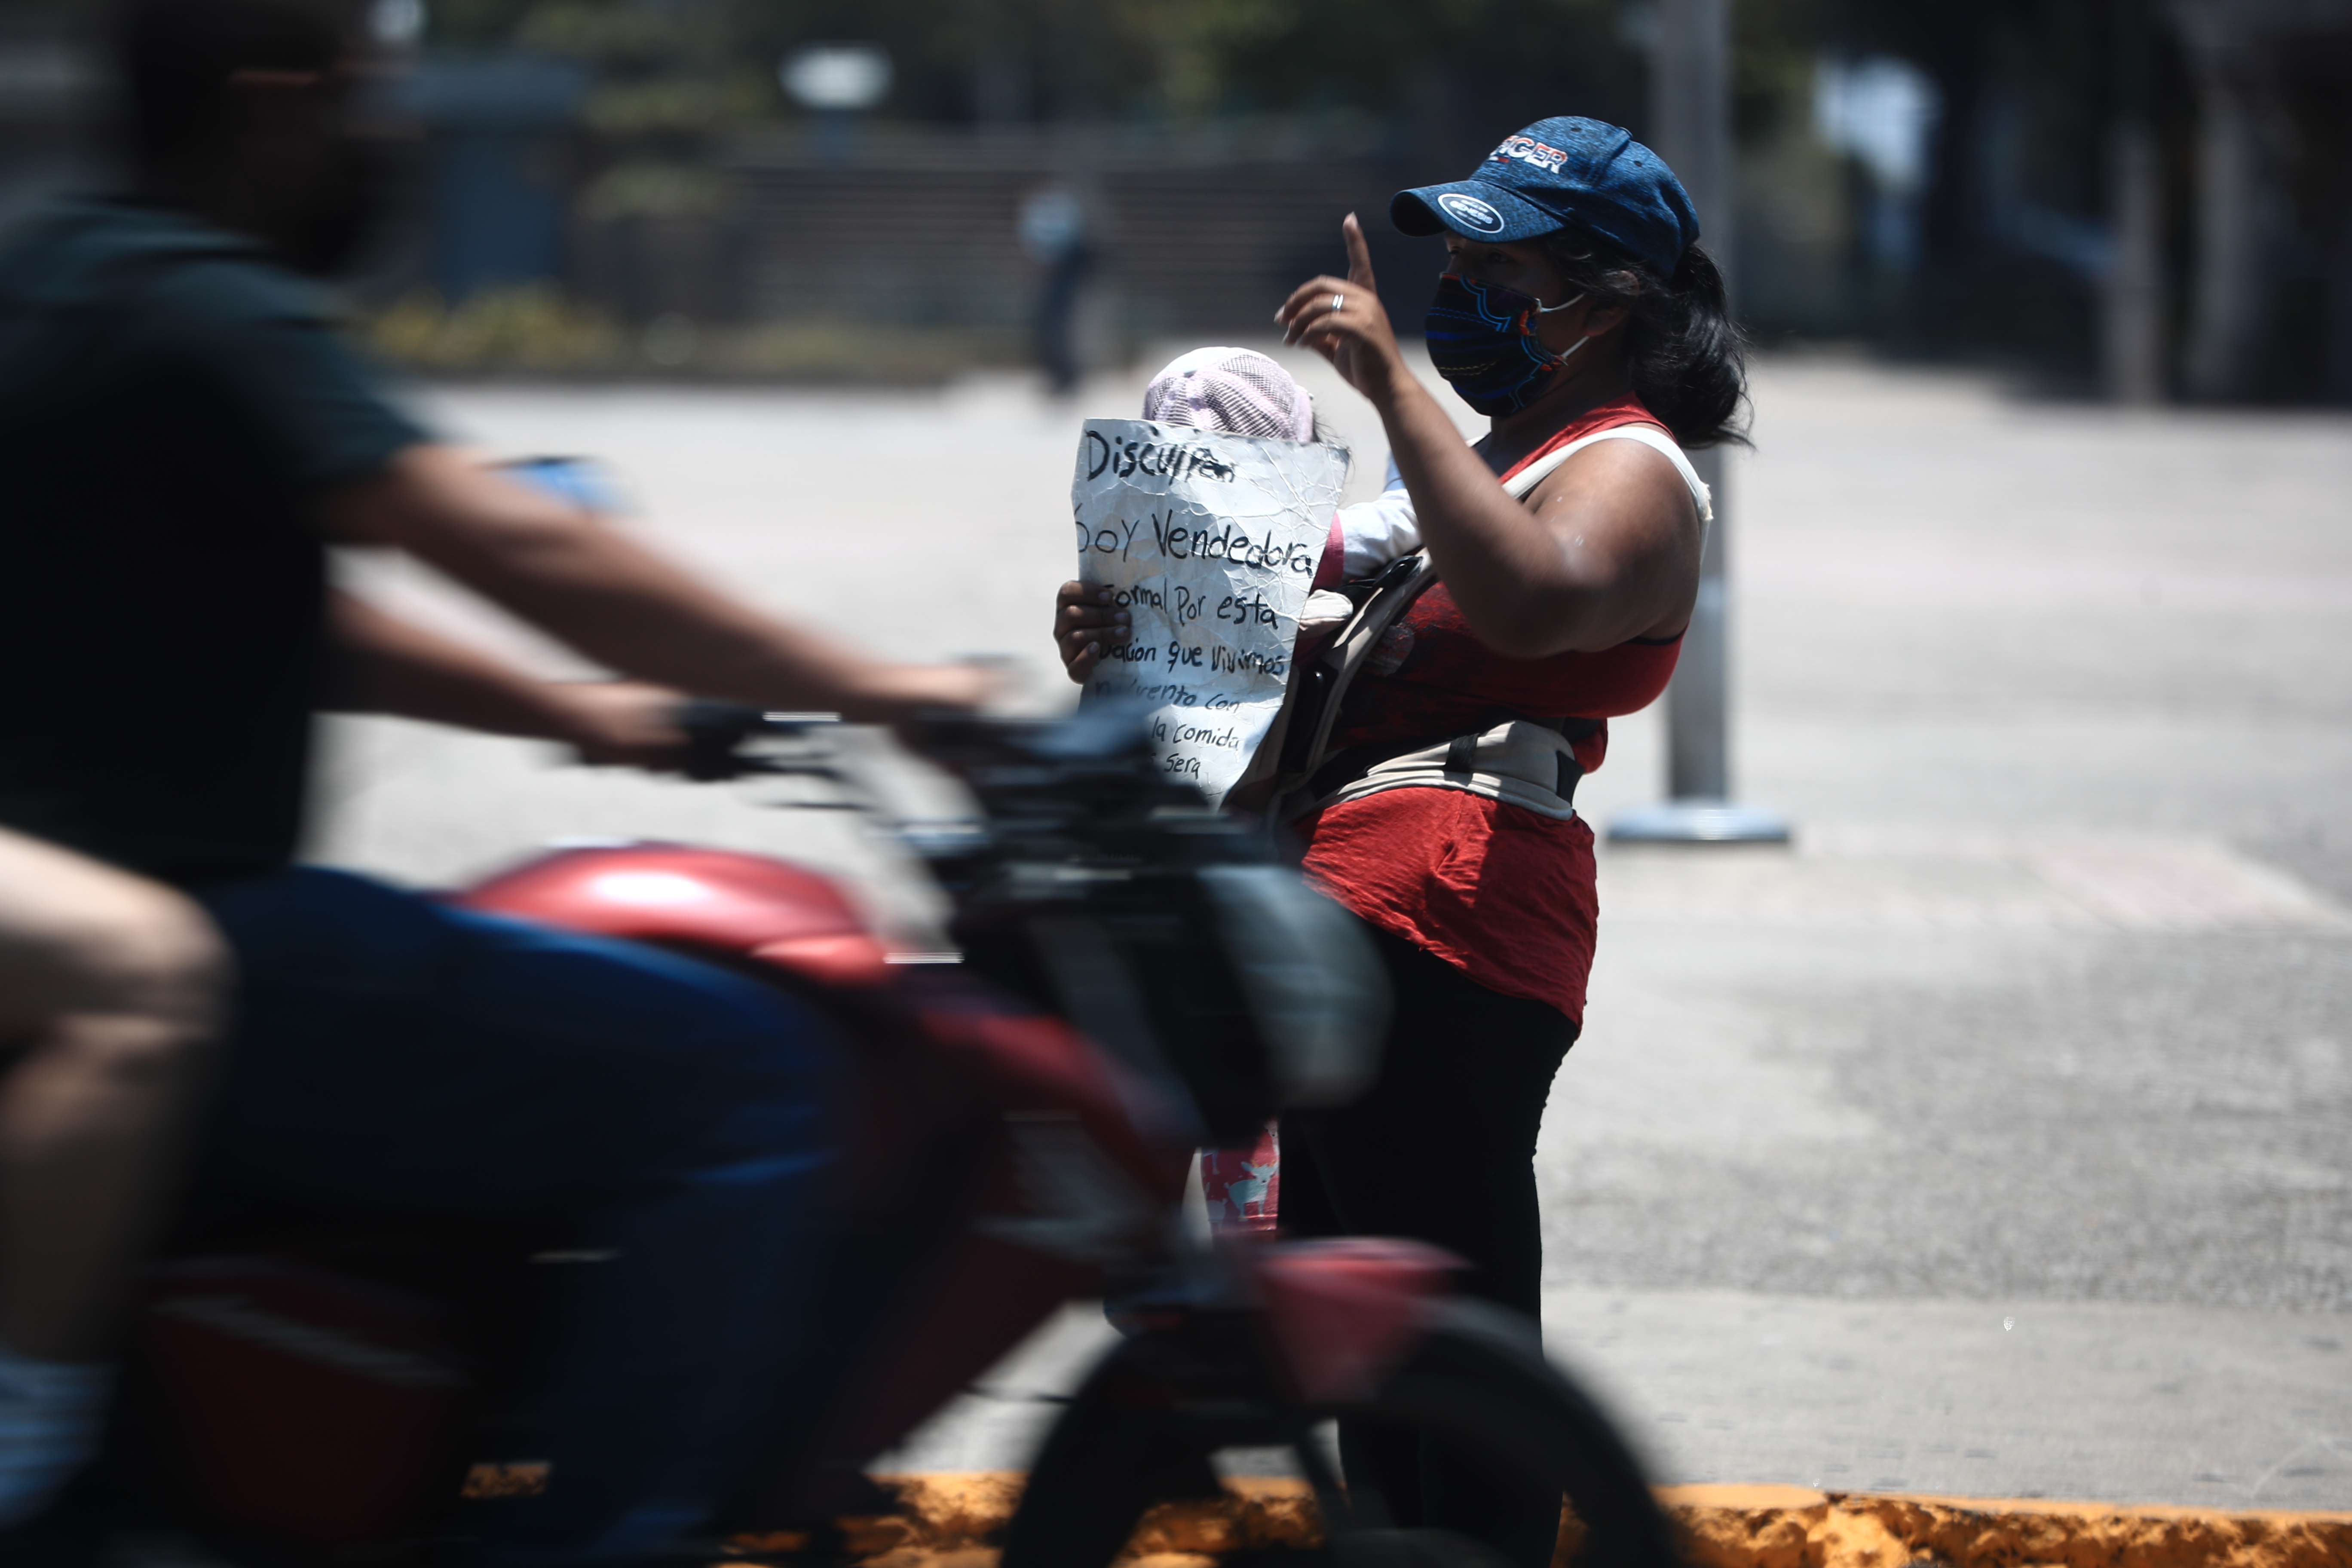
[{"x": 1211, "y": 542}]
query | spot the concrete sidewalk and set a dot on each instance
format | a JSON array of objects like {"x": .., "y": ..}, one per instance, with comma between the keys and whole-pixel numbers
[
  {"x": 2216, "y": 1407},
  {"x": 2047, "y": 1016}
]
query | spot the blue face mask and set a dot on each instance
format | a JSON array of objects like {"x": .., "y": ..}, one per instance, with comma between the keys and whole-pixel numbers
[{"x": 1482, "y": 339}]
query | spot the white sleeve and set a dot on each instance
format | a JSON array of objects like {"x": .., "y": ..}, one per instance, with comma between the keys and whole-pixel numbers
[{"x": 1374, "y": 532}]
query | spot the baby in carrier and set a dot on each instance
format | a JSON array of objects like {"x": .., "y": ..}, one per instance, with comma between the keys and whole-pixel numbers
[{"x": 1240, "y": 392}]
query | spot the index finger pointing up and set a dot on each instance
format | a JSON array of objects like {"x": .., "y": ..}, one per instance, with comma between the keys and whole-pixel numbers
[{"x": 1360, "y": 257}]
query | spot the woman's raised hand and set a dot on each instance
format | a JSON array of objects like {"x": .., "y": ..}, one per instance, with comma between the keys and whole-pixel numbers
[
  {"x": 1342, "y": 320},
  {"x": 1085, "y": 625}
]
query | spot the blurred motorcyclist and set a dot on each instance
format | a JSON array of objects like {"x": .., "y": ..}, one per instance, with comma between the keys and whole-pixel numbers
[{"x": 183, "y": 437}]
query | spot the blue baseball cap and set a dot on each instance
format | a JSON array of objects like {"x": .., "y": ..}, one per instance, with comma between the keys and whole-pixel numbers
[{"x": 1558, "y": 173}]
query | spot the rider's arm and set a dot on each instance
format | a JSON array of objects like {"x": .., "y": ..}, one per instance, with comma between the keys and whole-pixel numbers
[
  {"x": 598, "y": 591},
  {"x": 385, "y": 665}
]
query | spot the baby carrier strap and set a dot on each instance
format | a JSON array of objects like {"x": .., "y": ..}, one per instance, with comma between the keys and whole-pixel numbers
[
  {"x": 1521, "y": 761},
  {"x": 1298, "y": 742},
  {"x": 1524, "y": 761}
]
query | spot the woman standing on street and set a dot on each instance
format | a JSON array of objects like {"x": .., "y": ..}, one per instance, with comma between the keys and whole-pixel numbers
[{"x": 1576, "y": 311}]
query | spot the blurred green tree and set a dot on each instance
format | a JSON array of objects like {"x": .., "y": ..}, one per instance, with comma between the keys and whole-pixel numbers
[{"x": 961, "y": 60}]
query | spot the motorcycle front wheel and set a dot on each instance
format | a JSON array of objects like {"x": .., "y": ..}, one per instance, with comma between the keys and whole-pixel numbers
[{"x": 1143, "y": 1427}]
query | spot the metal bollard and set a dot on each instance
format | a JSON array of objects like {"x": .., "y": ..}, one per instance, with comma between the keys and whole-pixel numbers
[{"x": 1690, "y": 110}]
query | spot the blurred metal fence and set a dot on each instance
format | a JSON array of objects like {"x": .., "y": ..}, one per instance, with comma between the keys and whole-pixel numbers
[{"x": 1192, "y": 235}]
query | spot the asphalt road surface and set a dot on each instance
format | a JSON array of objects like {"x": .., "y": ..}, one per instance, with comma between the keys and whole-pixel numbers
[{"x": 1992, "y": 1141}]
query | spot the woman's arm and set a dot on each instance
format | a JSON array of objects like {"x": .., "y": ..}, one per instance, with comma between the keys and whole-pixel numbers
[{"x": 1605, "y": 550}]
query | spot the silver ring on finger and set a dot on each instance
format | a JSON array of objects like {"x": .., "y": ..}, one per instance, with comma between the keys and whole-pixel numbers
[{"x": 1337, "y": 300}]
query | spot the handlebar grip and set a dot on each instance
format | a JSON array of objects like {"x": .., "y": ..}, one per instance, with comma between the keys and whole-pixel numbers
[{"x": 714, "y": 728}]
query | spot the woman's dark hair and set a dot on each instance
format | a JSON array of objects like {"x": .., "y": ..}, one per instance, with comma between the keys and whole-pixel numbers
[{"x": 1689, "y": 358}]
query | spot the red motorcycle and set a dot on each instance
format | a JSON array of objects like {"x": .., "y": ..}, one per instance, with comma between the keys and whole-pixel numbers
[{"x": 1138, "y": 976}]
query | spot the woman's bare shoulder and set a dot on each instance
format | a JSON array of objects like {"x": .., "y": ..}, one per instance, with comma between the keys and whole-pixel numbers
[{"x": 1625, "y": 475}]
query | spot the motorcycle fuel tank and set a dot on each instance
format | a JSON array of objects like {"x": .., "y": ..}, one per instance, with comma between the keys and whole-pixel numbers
[{"x": 722, "y": 900}]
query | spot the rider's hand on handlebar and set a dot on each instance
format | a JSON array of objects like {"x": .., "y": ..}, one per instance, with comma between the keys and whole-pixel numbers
[
  {"x": 623, "y": 723},
  {"x": 902, "y": 695},
  {"x": 1085, "y": 627},
  {"x": 898, "y": 692},
  {"x": 638, "y": 724}
]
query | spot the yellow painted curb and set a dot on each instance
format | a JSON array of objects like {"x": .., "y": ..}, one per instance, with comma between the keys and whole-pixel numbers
[
  {"x": 948, "y": 1520},
  {"x": 1787, "y": 1527}
]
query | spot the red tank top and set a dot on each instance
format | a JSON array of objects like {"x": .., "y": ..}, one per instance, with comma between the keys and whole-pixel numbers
[{"x": 1501, "y": 893}]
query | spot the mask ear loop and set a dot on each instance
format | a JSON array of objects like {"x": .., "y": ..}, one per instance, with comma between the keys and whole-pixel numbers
[{"x": 1543, "y": 310}]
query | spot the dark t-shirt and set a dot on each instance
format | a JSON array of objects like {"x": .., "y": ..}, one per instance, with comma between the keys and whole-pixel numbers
[{"x": 172, "y": 406}]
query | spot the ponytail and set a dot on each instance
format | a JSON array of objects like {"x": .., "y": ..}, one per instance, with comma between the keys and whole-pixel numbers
[{"x": 1687, "y": 357}]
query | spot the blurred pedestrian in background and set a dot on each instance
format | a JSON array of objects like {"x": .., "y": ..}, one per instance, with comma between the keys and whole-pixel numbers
[
  {"x": 1054, "y": 235},
  {"x": 184, "y": 436}
]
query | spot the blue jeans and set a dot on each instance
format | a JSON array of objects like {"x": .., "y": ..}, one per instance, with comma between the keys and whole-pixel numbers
[{"x": 394, "y": 1052}]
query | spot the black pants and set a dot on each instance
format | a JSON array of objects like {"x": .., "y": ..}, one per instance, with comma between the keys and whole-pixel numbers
[{"x": 1441, "y": 1150}]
